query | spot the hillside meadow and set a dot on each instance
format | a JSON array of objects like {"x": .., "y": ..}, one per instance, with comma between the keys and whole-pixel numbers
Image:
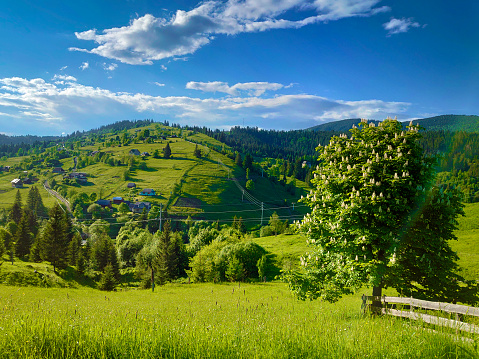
[
  {"x": 205, "y": 321},
  {"x": 185, "y": 185}
]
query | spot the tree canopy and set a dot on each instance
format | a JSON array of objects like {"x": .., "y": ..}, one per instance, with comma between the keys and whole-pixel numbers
[{"x": 367, "y": 187}]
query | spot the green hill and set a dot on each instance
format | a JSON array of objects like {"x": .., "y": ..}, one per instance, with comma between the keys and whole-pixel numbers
[
  {"x": 209, "y": 188},
  {"x": 451, "y": 123}
]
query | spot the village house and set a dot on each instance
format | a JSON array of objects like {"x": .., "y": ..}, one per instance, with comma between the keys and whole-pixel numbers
[
  {"x": 117, "y": 200},
  {"x": 131, "y": 185},
  {"x": 138, "y": 207},
  {"x": 147, "y": 192},
  {"x": 145, "y": 154},
  {"x": 79, "y": 176},
  {"x": 134, "y": 152},
  {"x": 58, "y": 170},
  {"x": 104, "y": 203},
  {"x": 17, "y": 183}
]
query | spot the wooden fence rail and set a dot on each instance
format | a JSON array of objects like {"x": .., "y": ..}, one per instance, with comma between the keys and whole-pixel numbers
[{"x": 426, "y": 305}]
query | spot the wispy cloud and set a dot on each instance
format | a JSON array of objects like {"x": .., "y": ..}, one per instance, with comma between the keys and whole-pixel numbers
[
  {"x": 148, "y": 38},
  {"x": 159, "y": 84},
  {"x": 109, "y": 67},
  {"x": 252, "y": 88},
  {"x": 63, "y": 68},
  {"x": 68, "y": 106},
  {"x": 84, "y": 66},
  {"x": 397, "y": 26}
]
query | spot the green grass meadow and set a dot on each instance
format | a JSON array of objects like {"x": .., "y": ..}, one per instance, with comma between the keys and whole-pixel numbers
[{"x": 205, "y": 321}]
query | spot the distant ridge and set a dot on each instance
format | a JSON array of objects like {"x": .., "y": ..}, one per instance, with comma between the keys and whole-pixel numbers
[
  {"x": 339, "y": 126},
  {"x": 453, "y": 123}
]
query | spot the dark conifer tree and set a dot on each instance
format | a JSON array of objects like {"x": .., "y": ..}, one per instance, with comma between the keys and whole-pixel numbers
[
  {"x": 23, "y": 237},
  {"x": 53, "y": 243},
  {"x": 103, "y": 253},
  {"x": 16, "y": 211},
  {"x": 167, "y": 151}
]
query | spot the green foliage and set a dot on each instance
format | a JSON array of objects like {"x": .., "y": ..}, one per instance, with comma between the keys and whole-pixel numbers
[
  {"x": 365, "y": 189},
  {"x": 95, "y": 210},
  {"x": 123, "y": 208},
  {"x": 226, "y": 259},
  {"x": 197, "y": 152},
  {"x": 54, "y": 239},
  {"x": 23, "y": 238},
  {"x": 234, "y": 271},
  {"x": 7, "y": 239},
  {"x": 35, "y": 202},
  {"x": 425, "y": 266},
  {"x": 262, "y": 265},
  {"x": 250, "y": 185},
  {"x": 78, "y": 212},
  {"x": 16, "y": 210},
  {"x": 104, "y": 254},
  {"x": 3, "y": 249},
  {"x": 108, "y": 281},
  {"x": 168, "y": 255},
  {"x": 167, "y": 151}
]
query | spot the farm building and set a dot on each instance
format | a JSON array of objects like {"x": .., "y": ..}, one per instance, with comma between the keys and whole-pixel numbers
[
  {"x": 104, "y": 203},
  {"x": 131, "y": 185},
  {"x": 134, "y": 152},
  {"x": 17, "y": 183},
  {"x": 139, "y": 206},
  {"x": 58, "y": 170},
  {"x": 147, "y": 192},
  {"x": 145, "y": 154},
  {"x": 117, "y": 200}
]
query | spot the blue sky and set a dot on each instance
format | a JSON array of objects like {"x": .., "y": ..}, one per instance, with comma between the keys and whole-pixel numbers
[{"x": 275, "y": 64}]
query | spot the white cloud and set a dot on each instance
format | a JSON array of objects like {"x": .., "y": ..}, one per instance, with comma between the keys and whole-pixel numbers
[
  {"x": 397, "y": 26},
  {"x": 63, "y": 68},
  {"x": 64, "y": 78},
  {"x": 70, "y": 106},
  {"x": 159, "y": 84},
  {"x": 84, "y": 66},
  {"x": 148, "y": 38},
  {"x": 253, "y": 88},
  {"x": 110, "y": 67}
]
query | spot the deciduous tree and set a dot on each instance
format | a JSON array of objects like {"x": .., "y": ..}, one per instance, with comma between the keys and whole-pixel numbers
[{"x": 366, "y": 186}]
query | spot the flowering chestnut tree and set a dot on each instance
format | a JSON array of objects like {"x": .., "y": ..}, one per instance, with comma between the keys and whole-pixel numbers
[{"x": 366, "y": 187}]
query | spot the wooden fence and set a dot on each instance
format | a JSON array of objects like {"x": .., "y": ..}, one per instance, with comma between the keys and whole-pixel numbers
[{"x": 424, "y": 305}]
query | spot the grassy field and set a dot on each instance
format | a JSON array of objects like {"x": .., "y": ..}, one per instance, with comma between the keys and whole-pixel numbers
[
  {"x": 205, "y": 321},
  {"x": 467, "y": 245}
]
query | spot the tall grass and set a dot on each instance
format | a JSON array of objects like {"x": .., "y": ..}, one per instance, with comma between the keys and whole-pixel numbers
[{"x": 204, "y": 321}]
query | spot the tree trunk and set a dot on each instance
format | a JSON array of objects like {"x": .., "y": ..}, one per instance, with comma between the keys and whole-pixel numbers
[{"x": 376, "y": 304}]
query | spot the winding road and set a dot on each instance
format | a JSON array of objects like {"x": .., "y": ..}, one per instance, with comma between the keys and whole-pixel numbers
[{"x": 57, "y": 196}]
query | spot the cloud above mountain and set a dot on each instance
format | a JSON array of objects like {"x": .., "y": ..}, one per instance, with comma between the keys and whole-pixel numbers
[
  {"x": 67, "y": 105},
  {"x": 148, "y": 38}
]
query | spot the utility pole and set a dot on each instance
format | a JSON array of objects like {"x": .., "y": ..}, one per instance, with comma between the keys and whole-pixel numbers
[
  {"x": 242, "y": 196},
  {"x": 262, "y": 210}
]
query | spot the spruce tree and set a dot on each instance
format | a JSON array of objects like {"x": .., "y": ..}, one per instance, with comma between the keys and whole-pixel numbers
[
  {"x": 23, "y": 237},
  {"x": 167, "y": 151},
  {"x": 161, "y": 262},
  {"x": 16, "y": 210},
  {"x": 108, "y": 281},
  {"x": 103, "y": 253},
  {"x": 53, "y": 242},
  {"x": 7, "y": 239}
]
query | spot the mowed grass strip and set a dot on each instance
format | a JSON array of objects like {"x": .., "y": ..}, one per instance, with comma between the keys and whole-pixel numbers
[{"x": 205, "y": 321}]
